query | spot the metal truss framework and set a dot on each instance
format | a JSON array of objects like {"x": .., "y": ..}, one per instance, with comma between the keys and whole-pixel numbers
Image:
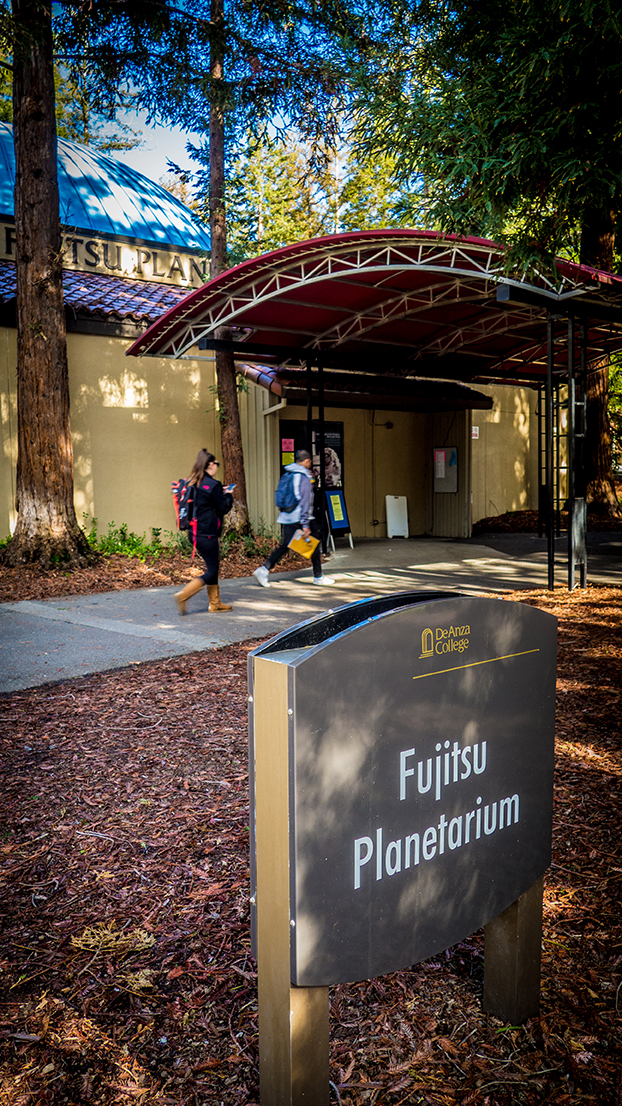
[
  {"x": 409, "y": 304},
  {"x": 432, "y": 299}
]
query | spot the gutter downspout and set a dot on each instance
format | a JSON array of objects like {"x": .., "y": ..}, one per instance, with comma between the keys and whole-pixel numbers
[{"x": 277, "y": 407}]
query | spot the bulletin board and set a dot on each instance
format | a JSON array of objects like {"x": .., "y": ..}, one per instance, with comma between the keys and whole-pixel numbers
[{"x": 336, "y": 511}]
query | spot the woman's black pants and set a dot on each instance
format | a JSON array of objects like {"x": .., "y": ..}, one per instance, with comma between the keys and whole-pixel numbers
[{"x": 208, "y": 549}]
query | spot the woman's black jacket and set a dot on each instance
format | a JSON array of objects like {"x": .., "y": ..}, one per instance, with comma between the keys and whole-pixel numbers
[{"x": 211, "y": 506}]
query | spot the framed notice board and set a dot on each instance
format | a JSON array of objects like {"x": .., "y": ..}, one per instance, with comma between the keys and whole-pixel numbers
[
  {"x": 336, "y": 514},
  {"x": 337, "y": 511}
]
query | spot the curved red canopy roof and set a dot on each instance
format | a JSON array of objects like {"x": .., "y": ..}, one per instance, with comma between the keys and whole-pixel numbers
[{"x": 407, "y": 302}]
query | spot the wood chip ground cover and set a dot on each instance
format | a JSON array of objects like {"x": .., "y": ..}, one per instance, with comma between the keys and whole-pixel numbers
[
  {"x": 115, "y": 572},
  {"x": 126, "y": 974}
]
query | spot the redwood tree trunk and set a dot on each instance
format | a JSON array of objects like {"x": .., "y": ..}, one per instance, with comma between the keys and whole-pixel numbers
[
  {"x": 229, "y": 413},
  {"x": 597, "y": 243},
  {"x": 46, "y": 529}
]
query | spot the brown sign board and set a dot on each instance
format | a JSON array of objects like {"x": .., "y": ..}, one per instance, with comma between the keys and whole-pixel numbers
[{"x": 419, "y": 745}]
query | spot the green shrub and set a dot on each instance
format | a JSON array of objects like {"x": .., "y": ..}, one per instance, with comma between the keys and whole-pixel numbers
[
  {"x": 256, "y": 544},
  {"x": 177, "y": 541},
  {"x": 119, "y": 539},
  {"x": 122, "y": 540}
]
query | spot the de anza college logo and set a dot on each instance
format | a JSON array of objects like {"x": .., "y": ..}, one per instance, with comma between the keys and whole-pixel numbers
[{"x": 450, "y": 639}]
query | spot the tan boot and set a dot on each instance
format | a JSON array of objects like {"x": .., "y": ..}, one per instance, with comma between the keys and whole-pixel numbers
[
  {"x": 214, "y": 599},
  {"x": 183, "y": 596}
]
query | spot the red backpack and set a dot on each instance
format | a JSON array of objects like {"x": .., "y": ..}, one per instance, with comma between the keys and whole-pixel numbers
[{"x": 184, "y": 500}]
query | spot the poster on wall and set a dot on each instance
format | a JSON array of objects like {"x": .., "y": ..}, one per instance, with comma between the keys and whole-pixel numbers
[
  {"x": 333, "y": 454},
  {"x": 446, "y": 469},
  {"x": 293, "y": 436}
]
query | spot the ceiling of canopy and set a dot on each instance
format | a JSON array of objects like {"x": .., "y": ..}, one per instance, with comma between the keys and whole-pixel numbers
[{"x": 402, "y": 302}]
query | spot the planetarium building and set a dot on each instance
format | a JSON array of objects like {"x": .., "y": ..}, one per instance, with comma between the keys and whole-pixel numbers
[
  {"x": 132, "y": 254},
  {"x": 131, "y": 251}
]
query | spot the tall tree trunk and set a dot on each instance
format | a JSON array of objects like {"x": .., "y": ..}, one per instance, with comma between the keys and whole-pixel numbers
[
  {"x": 229, "y": 413},
  {"x": 46, "y": 529},
  {"x": 597, "y": 243}
]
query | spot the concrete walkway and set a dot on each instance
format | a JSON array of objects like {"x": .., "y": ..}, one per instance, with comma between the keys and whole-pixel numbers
[{"x": 56, "y": 639}]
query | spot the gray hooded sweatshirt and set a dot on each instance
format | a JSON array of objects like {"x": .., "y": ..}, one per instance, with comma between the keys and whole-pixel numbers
[{"x": 303, "y": 488}]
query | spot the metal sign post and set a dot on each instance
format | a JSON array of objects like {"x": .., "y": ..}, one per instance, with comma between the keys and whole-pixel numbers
[
  {"x": 549, "y": 462},
  {"x": 293, "y": 1026},
  {"x": 402, "y": 782}
]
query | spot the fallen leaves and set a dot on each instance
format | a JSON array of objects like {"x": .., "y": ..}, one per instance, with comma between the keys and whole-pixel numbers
[
  {"x": 170, "y": 1017},
  {"x": 116, "y": 572},
  {"x": 104, "y": 937}
]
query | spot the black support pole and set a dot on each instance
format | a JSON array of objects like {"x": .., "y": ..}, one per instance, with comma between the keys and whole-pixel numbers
[
  {"x": 550, "y": 513},
  {"x": 309, "y": 407},
  {"x": 571, "y": 453},
  {"x": 541, "y": 464},
  {"x": 580, "y": 446},
  {"x": 581, "y": 481},
  {"x": 320, "y": 404}
]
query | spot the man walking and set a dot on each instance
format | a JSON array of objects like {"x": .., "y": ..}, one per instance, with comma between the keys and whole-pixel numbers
[{"x": 301, "y": 518}]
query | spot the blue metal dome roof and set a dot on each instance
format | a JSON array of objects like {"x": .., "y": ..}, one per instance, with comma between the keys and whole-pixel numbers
[{"x": 104, "y": 196}]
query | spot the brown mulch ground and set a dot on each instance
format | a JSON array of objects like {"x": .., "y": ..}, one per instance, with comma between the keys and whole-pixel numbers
[
  {"x": 526, "y": 522},
  {"x": 115, "y": 572},
  {"x": 124, "y": 937}
]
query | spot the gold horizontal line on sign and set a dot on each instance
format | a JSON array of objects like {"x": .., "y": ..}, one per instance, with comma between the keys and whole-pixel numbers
[{"x": 474, "y": 664}]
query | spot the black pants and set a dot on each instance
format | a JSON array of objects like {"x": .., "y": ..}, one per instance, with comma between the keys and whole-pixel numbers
[
  {"x": 287, "y": 532},
  {"x": 208, "y": 549}
]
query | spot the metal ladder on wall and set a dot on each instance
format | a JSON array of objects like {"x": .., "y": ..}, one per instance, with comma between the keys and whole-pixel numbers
[
  {"x": 574, "y": 434},
  {"x": 560, "y": 468}
]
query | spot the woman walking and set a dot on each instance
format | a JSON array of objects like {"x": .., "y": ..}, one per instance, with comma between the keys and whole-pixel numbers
[{"x": 210, "y": 503}]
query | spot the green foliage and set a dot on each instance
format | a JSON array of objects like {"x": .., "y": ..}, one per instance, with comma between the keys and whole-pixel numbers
[
  {"x": 271, "y": 198},
  {"x": 504, "y": 118},
  {"x": 123, "y": 541},
  {"x": 242, "y": 546},
  {"x": 79, "y": 118},
  {"x": 279, "y": 193},
  {"x": 217, "y": 406},
  {"x": 285, "y": 65},
  {"x": 6, "y": 95},
  {"x": 120, "y": 539},
  {"x": 370, "y": 198},
  {"x": 615, "y": 409},
  {"x": 177, "y": 541}
]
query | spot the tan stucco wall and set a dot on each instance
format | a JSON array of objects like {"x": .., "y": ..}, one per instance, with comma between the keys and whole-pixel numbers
[
  {"x": 504, "y": 458},
  {"x": 136, "y": 425}
]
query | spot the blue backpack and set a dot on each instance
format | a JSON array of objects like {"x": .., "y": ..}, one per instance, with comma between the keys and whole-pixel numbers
[{"x": 285, "y": 495}]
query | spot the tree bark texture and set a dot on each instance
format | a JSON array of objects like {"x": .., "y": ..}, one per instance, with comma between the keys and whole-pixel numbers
[
  {"x": 601, "y": 494},
  {"x": 46, "y": 529},
  {"x": 229, "y": 409},
  {"x": 597, "y": 245}
]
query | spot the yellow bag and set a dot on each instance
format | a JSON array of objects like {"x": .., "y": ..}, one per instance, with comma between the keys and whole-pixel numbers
[{"x": 304, "y": 546}]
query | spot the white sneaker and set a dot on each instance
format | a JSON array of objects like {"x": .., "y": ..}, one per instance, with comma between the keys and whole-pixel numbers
[
  {"x": 261, "y": 576},
  {"x": 323, "y": 580}
]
